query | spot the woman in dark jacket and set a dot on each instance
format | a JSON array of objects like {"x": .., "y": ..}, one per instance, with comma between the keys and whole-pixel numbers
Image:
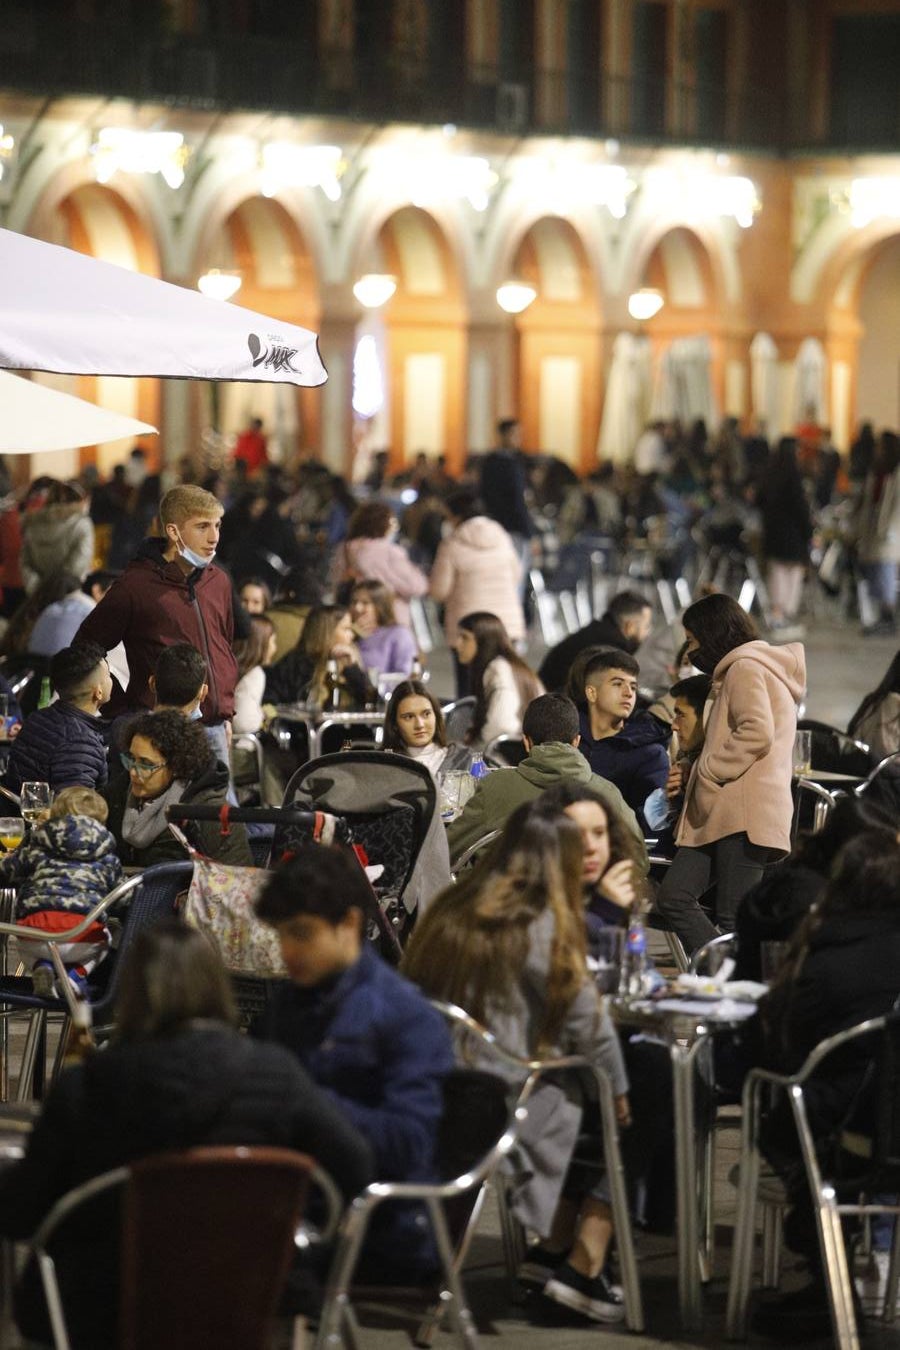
[
  {"x": 169, "y": 760},
  {"x": 787, "y": 530},
  {"x": 841, "y": 969},
  {"x": 178, "y": 1075}
]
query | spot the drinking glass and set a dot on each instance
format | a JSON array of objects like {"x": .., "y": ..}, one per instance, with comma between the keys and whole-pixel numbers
[
  {"x": 12, "y": 830},
  {"x": 36, "y": 799},
  {"x": 449, "y": 795},
  {"x": 802, "y": 753},
  {"x": 607, "y": 944}
]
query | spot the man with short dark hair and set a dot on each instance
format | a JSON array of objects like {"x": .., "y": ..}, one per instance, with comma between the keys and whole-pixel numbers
[
  {"x": 62, "y": 744},
  {"x": 362, "y": 1032},
  {"x": 179, "y": 680},
  {"x": 625, "y": 625},
  {"x": 629, "y": 751},
  {"x": 551, "y": 736}
]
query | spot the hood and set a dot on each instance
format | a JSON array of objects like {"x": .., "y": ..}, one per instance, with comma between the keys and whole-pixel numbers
[
  {"x": 168, "y": 1091},
  {"x": 787, "y": 663},
  {"x": 480, "y": 533},
  {"x": 547, "y": 764},
  {"x": 58, "y": 512},
  {"x": 77, "y": 837},
  {"x": 211, "y": 783}
]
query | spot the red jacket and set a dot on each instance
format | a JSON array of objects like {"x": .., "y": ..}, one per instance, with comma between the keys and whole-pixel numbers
[{"x": 154, "y": 605}]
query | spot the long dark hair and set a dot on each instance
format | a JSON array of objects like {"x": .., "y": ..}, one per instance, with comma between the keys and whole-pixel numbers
[
  {"x": 719, "y": 625},
  {"x": 492, "y": 641},
  {"x": 392, "y": 739},
  {"x": 471, "y": 944},
  {"x": 251, "y": 651},
  {"x": 890, "y": 684},
  {"x": 623, "y": 843}
]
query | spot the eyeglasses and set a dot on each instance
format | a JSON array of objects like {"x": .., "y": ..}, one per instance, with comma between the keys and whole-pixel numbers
[{"x": 142, "y": 767}]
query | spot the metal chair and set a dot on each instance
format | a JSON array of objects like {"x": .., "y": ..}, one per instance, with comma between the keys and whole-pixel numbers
[
  {"x": 458, "y": 717},
  {"x": 879, "y": 1172},
  {"x": 531, "y": 1072},
  {"x": 474, "y": 851},
  {"x": 236, "y": 1211},
  {"x": 491, "y": 1131},
  {"x": 505, "y": 752},
  {"x": 813, "y": 805},
  {"x": 153, "y": 895},
  {"x": 835, "y": 751},
  {"x": 709, "y": 958}
]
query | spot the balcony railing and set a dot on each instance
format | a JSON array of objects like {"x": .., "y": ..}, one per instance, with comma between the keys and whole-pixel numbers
[{"x": 58, "y": 56}]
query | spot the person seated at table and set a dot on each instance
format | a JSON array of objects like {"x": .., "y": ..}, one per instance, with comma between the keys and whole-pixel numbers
[
  {"x": 254, "y": 595},
  {"x": 772, "y": 910},
  {"x": 841, "y": 969},
  {"x": 62, "y": 744},
  {"x": 663, "y": 807},
  {"x": 628, "y": 750},
  {"x": 301, "y": 675},
  {"x": 502, "y": 683},
  {"x": 179, "y": 680},
  {"x": 414, "y": 726},
  {"x": 169, "y": 761},
  {"x": 255, "y": 655},
  {"x": 613, "y": 885},
  {"x": 550, "y": 733},
  {"x": 507, "y": 943},
  {"x": 177, "y": 1075},
  {"x": 384, "y": 645},
  {"x": 364, "y": 1034},
  {"x": 67, "y": 865},
  {"x": 370, "y": 550}
]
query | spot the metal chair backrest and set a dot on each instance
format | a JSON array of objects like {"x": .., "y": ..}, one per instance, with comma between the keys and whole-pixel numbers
[
  {"x": 834, "y": 751},
  {"x": 468, "y": 856},
  {"x": 235, "y": 1210},
  {"x": 708, "y": 959},
  {"x": 458, "y": 717},
  {"x": 505, "y": 752}
]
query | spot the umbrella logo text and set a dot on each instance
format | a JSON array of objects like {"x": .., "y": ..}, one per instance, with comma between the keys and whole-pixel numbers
[{"x": 278, "y": 357}]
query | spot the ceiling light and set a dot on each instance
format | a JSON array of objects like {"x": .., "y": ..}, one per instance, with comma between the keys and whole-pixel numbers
[
  {"x": 285, "y": 165},
  {"x": 219, "y": 285},
  {"x": 645, "y": 303},
  {"x": 117, "y": 149},
  {"x": 374, "y": 289},
  {"x": 515, "y": 296}
]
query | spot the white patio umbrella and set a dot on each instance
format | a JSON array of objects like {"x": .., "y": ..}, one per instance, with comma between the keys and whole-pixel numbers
[
  {"x": 626, "y": 405},
  {"x": 810, "y": 366},
  {"x": 35, "y": 418},
  {"x": 764, "y": 385},
  {"x": 683, "y": 386},
  {"x": 62, "y": 311}
]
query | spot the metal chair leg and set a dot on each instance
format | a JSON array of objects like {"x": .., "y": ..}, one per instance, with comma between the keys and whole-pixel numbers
[
  {"x": 36, "y": 1025},
  {"x": 745, "y": 1225},
  {"x": 462, "y": 1314},
  {"x": 631, "y": 1289}
]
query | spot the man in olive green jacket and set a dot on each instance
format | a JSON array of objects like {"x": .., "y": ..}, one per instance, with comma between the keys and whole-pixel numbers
[{"x": 550, "y": 733}]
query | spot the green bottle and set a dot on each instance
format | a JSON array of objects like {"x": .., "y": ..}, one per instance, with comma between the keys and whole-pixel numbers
[{"x": 45, "y": 696}]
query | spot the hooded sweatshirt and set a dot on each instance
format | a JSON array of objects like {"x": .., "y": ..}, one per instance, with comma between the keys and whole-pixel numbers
[
  {"x": 498, "y": 794},
  {"x": 741, "y": 780},
  {"x": 478, "y": 569},
  {"x": 635, "y": 759}
]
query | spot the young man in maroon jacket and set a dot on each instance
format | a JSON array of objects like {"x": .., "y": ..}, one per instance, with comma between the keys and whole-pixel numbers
[{"x": 170, "y": 592}]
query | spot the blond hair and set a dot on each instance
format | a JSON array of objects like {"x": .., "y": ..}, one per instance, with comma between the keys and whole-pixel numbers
[
  {"x": 187, "y": 502},
  {"x": 79, "y": 801}
]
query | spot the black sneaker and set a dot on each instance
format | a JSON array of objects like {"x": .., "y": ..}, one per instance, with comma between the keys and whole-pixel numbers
[
  {"x": 540, "y": 1265},
  {"x": 595, "y": 1298}
]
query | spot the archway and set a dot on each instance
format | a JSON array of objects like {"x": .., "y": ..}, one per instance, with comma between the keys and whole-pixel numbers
[
  {"x": 558, "y": 344},
  {"x": 260, "y": 242},
  {"x": 423, "y": 339},
  {"x": 864, "y": 319}
]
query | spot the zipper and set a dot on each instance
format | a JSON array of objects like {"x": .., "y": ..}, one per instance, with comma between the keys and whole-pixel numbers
[{"x": 213, "y": 691}]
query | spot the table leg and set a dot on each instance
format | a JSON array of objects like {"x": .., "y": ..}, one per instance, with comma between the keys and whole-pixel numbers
[
  {"x": 682, "y": 1054},
  {"x": 315, "y": 740}
]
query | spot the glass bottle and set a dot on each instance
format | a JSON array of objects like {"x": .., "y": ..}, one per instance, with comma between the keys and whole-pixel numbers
[
  {"x": 633, "y": 977},
  {"x": 45, "y": 696},
  {"x": 332, "y": 685}
]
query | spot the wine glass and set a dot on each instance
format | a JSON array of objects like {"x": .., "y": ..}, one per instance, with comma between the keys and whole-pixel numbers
[{"x": 36, "y": 798}]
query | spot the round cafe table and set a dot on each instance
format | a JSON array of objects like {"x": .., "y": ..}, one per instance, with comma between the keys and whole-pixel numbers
[{"x": 685, "y": 1024}]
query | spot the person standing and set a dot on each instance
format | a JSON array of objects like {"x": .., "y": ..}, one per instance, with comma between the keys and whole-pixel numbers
[
  {"x": 172, "y": 592},
  {"x": 738, "y": 805},
  {"x": 878, "y": 531},
  {"x": 251, "y": 447},
  {"x": 787, "y": 531}
]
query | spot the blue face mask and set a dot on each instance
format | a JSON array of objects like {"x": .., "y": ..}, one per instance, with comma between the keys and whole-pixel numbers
[
  {"x": 190, "y": 556},
  {"x": 195, "y": 715}
]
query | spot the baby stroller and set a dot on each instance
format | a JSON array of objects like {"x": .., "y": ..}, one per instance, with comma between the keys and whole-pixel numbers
[{"x": 389, "y": 805}]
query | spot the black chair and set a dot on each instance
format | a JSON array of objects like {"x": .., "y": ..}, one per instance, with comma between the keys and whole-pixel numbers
[
  {"x": 849, "y": 1174},
  {"x": 834, "y": 751}
]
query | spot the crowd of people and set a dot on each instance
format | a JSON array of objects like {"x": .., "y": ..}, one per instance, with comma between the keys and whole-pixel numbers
[{"x": 153, "y": 632}]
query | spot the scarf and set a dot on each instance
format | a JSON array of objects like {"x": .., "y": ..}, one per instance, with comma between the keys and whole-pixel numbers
[{"x": 144, "y": 822}]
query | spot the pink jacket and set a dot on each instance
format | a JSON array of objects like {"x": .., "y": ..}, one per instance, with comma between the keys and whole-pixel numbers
[
  {"x": 741, "y": 780},
  {"x": 478, "y": 568},
  {"x": 380, "y": 560}
]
